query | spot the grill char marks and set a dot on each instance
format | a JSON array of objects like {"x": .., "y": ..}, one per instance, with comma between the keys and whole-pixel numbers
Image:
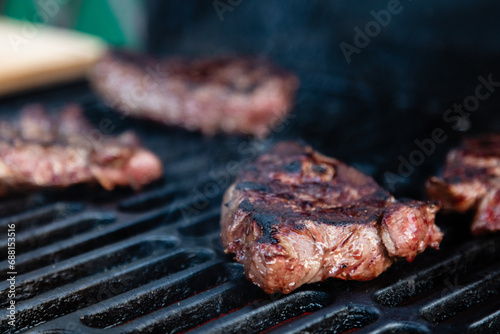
[
  {"x": 241, "y": 95},
  {"x": 252, "y": 186},
  {"x": 471, "y": 181},
  {"x": 318, "y": 218},
  {"x": 39, "y": 151},
  {"x": 293, "y": 167}
]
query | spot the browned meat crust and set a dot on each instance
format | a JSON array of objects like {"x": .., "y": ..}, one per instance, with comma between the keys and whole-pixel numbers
[
  {"x": 295, "y": 216},
  {"x": 38, "y": 151},
  {"x": 236, "y": 95},
  {"x": 471, "y": 181}
]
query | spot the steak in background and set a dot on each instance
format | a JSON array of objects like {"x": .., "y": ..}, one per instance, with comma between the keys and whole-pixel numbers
[
  {"x": 235, "y": 95},
  {"x": 40, "y": 151},
  {"x": 295, "y": 216},
  {"x": 471, "y": 181}
]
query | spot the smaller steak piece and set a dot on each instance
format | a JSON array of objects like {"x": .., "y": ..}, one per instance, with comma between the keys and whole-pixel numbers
[
  {"x": 236, "y": 95},
  {"x": 39, "y": 151},
  {"x": 295, "y": 216},
  {"x": 471, "y": 181}
]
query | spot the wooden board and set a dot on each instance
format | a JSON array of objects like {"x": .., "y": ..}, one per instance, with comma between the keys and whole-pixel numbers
[{"x": 33, "y": 55}]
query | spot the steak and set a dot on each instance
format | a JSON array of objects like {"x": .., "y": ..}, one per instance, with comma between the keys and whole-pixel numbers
[
  {"x": 295, "y": 216},
  {"x": 39, "y": 151},
  {"x": 235, "y": 95},
  {"x": 471, "y": 181}
]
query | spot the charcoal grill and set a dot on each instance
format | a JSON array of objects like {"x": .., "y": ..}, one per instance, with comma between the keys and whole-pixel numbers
[
  {"x": 96, "y": 262},
  {"x": 90, "y": 261}
]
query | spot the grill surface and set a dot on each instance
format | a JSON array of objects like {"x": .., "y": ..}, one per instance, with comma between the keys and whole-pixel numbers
[{"x": 95, "y": 262}]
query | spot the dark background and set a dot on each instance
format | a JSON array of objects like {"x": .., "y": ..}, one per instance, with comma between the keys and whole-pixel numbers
[{"x": 370, "y": 111}]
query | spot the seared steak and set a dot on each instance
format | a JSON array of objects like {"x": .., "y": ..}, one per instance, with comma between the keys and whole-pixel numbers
[
  {"x": 39, "y": 151},
  {"x": 471, "y": 181},
  {"x": 237, "y": 95},
  {"x": 295, "y": 216}
]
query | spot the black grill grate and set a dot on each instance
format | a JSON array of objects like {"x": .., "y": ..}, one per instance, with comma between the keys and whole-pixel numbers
[{"x": 152, "y": 262}]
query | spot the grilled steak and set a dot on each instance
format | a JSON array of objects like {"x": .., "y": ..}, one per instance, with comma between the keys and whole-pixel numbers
[
  {"x": 234, "y": 95},
  {"x": 38, "y": 151},
  {"x": 295, "y": 216},
  {"x": 471, "y": 181}
]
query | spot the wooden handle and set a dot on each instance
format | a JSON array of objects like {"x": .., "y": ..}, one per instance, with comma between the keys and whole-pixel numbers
[{"x": 33, "y": 55}]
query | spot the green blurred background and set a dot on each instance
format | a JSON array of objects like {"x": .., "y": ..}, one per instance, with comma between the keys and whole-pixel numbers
[{"x": 119, "y": 22}]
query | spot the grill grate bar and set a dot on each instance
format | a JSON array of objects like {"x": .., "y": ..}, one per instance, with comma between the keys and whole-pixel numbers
[
  {"x": 85, "y": 242},
  {"x": 485, "y": 286},
  {"x": 158, "y": 197},
  {"x": 102, "y": 286},
  {"x": 488, "y": 324},
  {"x": 59, "y": 230},
  {"x": 152, "y": 297},
  {"x": 196, "y": 310},
  {"x": 333, "y": 320},
  {"x": 26, "y": 221},
  {"x": 34, "y": 283},
  {"x": 256, "y": 318},
  {"x": 466, "y": 258},
  {"x": 202, "y": 227},
  {"x": 401, "y": 327}
]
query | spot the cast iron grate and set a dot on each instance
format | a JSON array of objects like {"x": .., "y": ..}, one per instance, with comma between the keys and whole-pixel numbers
[{"x": 152, "y": 262}]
